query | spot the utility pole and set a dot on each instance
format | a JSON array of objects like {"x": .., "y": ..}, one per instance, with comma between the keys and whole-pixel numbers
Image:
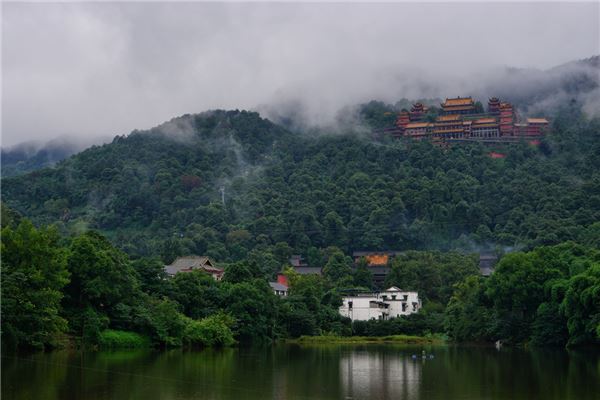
[{"x": 222, "y": 190}]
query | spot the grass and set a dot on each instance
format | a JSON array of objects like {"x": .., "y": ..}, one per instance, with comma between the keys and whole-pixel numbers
[
  {"x": 113, "y": 339},
  {"x": 396, "y": 339}
]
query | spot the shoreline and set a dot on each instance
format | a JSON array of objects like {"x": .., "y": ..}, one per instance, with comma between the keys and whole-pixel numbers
[{"x": 392, "y": 339}]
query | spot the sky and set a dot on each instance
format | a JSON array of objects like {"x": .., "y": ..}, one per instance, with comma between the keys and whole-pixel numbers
[{"x": 96, "y": 70}]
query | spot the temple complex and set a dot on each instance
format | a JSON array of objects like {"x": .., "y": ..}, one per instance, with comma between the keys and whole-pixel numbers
[{"x": 461, "y": 119}]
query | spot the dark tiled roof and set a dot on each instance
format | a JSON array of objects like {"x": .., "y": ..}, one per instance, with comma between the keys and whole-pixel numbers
[
  {"x": 368, "y": 253},
  {"x": 190, "y": 263},
  {"x": 278, "y": 286},
  {"x": 308, "y": 270}
]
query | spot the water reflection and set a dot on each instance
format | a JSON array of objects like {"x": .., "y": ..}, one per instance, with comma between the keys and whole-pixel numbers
[
  {"x": 373, "y": 375},
  {"x": 294, "y": 372}
]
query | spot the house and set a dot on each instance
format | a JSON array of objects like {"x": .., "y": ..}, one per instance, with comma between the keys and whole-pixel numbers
[
  {"x": 300, "y": 266},
  {"x": 279, "y": 289},
  {"x": 390, "y": 303},
  {"x": 192, "y": 263},
  {"x": 378, "y": 262},
  {"x": 297, "y": 260}
]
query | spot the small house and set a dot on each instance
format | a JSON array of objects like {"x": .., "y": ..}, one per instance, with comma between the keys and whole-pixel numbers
[
  {"x": 194, "y": 263},
  {"x": 279, "y": 289}
]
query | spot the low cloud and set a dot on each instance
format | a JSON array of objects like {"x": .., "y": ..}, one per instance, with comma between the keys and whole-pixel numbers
[{"x": 94, "y": 69}]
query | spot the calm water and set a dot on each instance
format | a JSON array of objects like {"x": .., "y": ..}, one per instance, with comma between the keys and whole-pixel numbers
[{"x": 292, "y": 372}]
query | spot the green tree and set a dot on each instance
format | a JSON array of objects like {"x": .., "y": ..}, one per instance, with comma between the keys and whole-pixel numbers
[
  {"x": 33, "y": 275},
  {"x": 252, "y": 304},
  {"x": 581, "y": 306},
  {"x": 338, "y": 268},
  {"x": 103, "y": 280},
  {"x": 362, "y": 276},
  {"x": 467, "y": 316},
  {"x": 197, "y": 292}
]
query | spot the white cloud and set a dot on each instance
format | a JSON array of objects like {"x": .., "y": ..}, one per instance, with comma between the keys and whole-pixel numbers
[{"x": 104, "y": 69}]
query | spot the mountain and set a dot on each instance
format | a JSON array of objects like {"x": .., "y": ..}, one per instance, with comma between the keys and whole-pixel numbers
[
  {"x": 161, "y": 191},
  {"x": 30, "y": 156},
  {"x": 537, "y": 91}
]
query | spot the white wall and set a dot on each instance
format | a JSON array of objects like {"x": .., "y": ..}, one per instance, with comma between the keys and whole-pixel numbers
[{"x": 392, "y": 303}]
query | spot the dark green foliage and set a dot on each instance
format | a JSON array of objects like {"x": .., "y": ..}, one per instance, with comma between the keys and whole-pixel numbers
[
  {"x": 198, "y": 294},
  {"x": 338, "y": 268},
  {"x": 239, "y": 272},
  {"x": 102, "y": 282},
  {"x": 423, "y": 323},
  {"x": 363, "y": 278},
  {"x": 151, "y": 275},
  {"x": 165, "y": 323},
  {"x": 432, "y": 274},
  {"x": 8, "y": 216},
  {"x": 33, "y": 276},
  {"x": 158, "y": 192},
  {"x": 213, "y": 331},
  {"x": 549, "y": 327},
  {"x": 467, "y": 315},
  {"x": 377, "y": 114},
  {"x": 295, "y": 318},
  {"x": 581, "y": 305},
  {"x": 113, "y": 339},
  {"x": 252, "y": 304},
  {"x": 549, "y": 296}
]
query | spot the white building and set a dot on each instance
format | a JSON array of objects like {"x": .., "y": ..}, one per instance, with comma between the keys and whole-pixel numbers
[
  {"x": 390, "y": 303},
  {"x": 279, "y": 289}
]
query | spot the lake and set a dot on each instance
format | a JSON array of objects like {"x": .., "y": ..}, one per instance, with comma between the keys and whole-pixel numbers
[{"x": 297, "y": 372}]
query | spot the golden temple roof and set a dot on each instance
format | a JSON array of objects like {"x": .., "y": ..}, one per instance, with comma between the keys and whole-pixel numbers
[
  {"x": 537, "y": 121},
  {"x": 416, "y": 125},
  {"x": 452, "y": 117},
  {"x": 485, "y": 121},
  {"x": 464, "y": 101}
]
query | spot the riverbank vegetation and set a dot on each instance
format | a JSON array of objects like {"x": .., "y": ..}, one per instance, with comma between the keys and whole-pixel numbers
[
  {"x": 548, "y": 296},
  {"x": 87, "y": 289},
  {"x": 393, "y": 339}
]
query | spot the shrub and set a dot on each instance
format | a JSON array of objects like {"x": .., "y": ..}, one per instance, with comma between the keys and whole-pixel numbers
[
  {"x": 114, "y": 339},
  {"x": 213, "y": 331}
]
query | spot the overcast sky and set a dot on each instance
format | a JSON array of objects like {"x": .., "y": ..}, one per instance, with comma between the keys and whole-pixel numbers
[{"x": 94, "y": 69}]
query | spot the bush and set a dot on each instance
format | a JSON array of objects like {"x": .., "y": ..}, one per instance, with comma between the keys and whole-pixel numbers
[
  {"x": 213, "y": 331},
  {"x": 113, "y": 339}
]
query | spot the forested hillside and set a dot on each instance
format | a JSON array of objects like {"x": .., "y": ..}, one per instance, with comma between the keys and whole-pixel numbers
[
  {"x": 27, "y": 157},
  {"x": 248, "y": 193},
  {"x": 158, "y": 192}
]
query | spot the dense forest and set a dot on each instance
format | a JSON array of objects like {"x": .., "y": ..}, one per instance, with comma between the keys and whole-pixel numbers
[
  {"x": 249, "y": 193},
  {"x": 158, "y": 192}
]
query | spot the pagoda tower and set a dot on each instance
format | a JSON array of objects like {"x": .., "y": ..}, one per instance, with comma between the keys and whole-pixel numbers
[
  {"x": 507, "y": 119},
  {"x": 494, "y": 106},
  {"x": 417, "y": 112},
  {"x": 403, "y": 119}
]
